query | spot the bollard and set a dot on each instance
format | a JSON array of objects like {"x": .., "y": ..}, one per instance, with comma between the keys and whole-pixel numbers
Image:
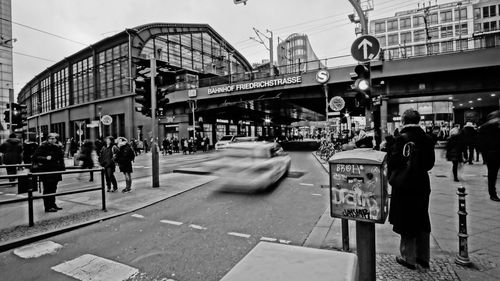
[
  {"x": 462, "y": 257},
  {"x": 31, "y": 220},
  {"x": 345, "y": 235},
  {"x": 103, "y": 191}
]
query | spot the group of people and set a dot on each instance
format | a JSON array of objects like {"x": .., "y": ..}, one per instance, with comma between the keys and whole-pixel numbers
[
  {"x": 191, "y": 145},
  {"x": 411, "y": 156}
]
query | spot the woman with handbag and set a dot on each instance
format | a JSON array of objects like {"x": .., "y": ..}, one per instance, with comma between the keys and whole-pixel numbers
[
  {"x": 409, "y": 160},
  {"x": 124, "y": 157}
]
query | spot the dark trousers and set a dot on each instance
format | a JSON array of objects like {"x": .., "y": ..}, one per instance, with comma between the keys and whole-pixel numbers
[
  {"x": 415, "y": 247},
  {"x": 11, "y": 171},
  {"x": 49, "y": 187},
  {"x": 109, "y": 175},
  {"x": 469, "y": 153},
  {"x": 455, "y": 169},
  {"x": 493, "y": 166}
]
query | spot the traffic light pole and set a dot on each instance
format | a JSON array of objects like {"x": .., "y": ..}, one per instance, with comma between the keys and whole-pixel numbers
[
  {"x": 10, "y": 118},
  {"x": 154, "y": 127}
]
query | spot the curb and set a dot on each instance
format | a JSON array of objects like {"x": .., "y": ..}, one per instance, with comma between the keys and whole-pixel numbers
[
  {"x": 44, "y": 235},
  {"x": 191, "y": 172},
  {"x": 314, "y": 155}
]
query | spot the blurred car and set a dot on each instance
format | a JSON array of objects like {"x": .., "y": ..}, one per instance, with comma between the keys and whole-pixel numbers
[
  {"x": 229, "y": 139},
  {"x": 255, "y": 165}
]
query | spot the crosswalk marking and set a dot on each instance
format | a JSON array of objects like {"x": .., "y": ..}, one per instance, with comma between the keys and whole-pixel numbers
[
  {"x": 242, "y": 235},
  {"x": 171, "y": 222},
  {"x": 306, "y": 184},
  {"x": 268, "y": 239},
  {"x": 285, "y": 241},
  {"x": 316, "y": 194},
  {"x": 137, "y": 216},
  {"x": 37, "y": 250},
  {"x": 90, "y": 268}
]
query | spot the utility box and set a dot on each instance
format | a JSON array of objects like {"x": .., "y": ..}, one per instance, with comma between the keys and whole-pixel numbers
[{"x": 358, "y": 185}]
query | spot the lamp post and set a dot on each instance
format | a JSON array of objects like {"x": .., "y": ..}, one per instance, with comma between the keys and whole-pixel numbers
[{"x": 99, "y": 112}]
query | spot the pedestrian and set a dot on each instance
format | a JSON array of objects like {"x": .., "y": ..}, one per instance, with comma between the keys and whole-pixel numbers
[
  {"x": 85, "y": 157},
  {"x": 124, "y": 158},
  {"x": 409, "y": 160},
  {"x": 184, "y": 145},
  {"x": 73, "y": 148},
  {"x": 165, "y": 145},
  {"x": 454, "y": 148},
  {"x": 106, "y": 161},
  {"x": 469, "y": 137},
  {"x": 29, "y": 149},
  {"x": 146, "y": 145},
  {"x": 12, "y": 150},
  {"x": 175, "y": 141},
  {"x": 49, "y": 157},
  {"x": 207, "y": 143},
  {"x": 489, "y": 145},
  {"x": 98, "y": 144}
]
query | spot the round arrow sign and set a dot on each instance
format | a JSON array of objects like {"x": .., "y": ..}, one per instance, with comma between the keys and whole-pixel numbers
[
  {"x": 337, "y": 103},
  {"x": 365, "y": 48},
  {"x": 107, "y": 120}
]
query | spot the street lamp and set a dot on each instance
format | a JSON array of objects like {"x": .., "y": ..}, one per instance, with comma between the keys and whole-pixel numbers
[{"x": 99, "y": 112}]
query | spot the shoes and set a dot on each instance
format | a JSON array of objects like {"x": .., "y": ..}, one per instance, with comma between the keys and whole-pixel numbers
[
  {"x": 91, "y": 180},
  {"x": 51, "y": 210},
  {"x": 126, "y": 190},
  {"x": 406, "y": 264},
  {"x": 470, "y": 163},
  {"x": 109, "y": 189},
  {"x": 57, "y": 208},
  {"x": 423, "y": 264},
  {"x": 495, "y": 198},
  {"x": 114, "y": 189},
  {"x": 456, "y": 180}
]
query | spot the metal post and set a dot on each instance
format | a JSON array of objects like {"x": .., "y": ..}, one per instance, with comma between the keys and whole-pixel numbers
[
  {"x": 345, "y": 235},
  {"x": 271, "y": 54},
  {"x": 154, "y": 127},
  {"x": 30, "y": 207},
  {"x": 325, "y": 89},
  {"x": 365, "y": 247},
  {"x": 463, "y": 253},
  {"x": 103, "y": 192}
]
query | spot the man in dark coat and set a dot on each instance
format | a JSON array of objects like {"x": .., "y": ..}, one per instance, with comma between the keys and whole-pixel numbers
[
  {"x": 409, "y": 213},
  {"x": 469, "y": 137},
  {"x": 49, "y": 157},
  {"x": 489, "y": 145},
  {"x": 12, "y": 150},
  {"x": 454, "y": 148}
]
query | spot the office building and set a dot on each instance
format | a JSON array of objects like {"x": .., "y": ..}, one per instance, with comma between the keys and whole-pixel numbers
[
  {"x": 296, "y": 54},
  {"x": 6, "y": 77}
]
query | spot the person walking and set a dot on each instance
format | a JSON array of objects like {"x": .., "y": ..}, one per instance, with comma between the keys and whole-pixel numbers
[
  {"x": 106, "y": 161},
  {"x": 124, "y": 158},
  {"x": 29, "y": 149},
  {"x": 165, "y": 145},
  {"x": 175, "y": 141},
  {"x": 454, "y": 148},
  {"x": 12, "y": 150},
  {"x": 145, "y": 145},
  {"x": 489, "y": 145},
  {"x": 409, "y": 160},
  {"x": 49, "y": 157},
  {"x": 85, "y": 157},
  {"x": 469, "y": 137}
]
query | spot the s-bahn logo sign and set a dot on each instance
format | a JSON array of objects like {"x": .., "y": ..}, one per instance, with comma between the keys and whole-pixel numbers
[{"x": 256, "y": 85}]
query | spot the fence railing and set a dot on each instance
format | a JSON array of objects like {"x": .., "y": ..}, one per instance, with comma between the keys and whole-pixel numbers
[{"x": 27, "y": 183}]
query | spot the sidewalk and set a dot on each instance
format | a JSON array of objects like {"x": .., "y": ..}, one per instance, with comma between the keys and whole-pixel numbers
[
  {"x": 483, "y": 226},
  {"x": 85, "y": 208}
]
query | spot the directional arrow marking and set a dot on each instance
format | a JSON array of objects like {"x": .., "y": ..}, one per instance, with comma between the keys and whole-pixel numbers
[{"x": 364, "y": 44}]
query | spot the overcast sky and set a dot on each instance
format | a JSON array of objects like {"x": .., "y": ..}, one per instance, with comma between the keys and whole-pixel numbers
[{"x": 325, "y": 21}]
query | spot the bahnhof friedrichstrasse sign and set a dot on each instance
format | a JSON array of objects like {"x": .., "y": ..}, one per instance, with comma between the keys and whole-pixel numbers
[{"x": 269, "y": 83}]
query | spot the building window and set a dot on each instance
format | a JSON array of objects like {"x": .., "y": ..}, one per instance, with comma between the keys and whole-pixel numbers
[
  {"x": 461, "y": 14},
  {"x": 477, "y": 13},
  {"x": 462, "y": 44},
  {"x": 434, "y": 33},
  {"x": 493, "y": 11},
  {"x": 382, "y": 40},
  {"x": 433, "y": 48},
  {"x": 477, "y": 27},
  {"x": 418, "y": 35},
  {"x": 461, "y": 31},
  {"x": 392, "y": 39},
  {"x": 45, "y": 94},
  {"x": 486, "y": 12},
  {"x": 392, "y": 25},
  {"x": 405, "y": 23},
  {"x": 446, "y": 16},
  {"x": 433, "y": 18},
  {"x": 406, "y": 37},
  {"x": 418, "y": 21},
  {"x": 447, "y": 46},
  {"x": 486, "y": 26},
  {"x": 493, "y": 25},
  {"x": 61, "y": 89},
  {"x": 380, "y": 27},
  {"x": 113, "y": 73},
  {"x": 406, "y": 52},
  {"x": 447, "y": 31},
  {"x": 393, "y": 53}
]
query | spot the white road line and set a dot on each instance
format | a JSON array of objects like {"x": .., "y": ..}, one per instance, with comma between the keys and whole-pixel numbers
[
  {"x": 1, "y": 192},
  {"x": 285, "y": 241},
  {"x": 10, "y": 194},
  {"x": 242, "y": 235},
  {"x": 316, "y": 194},
  {"x": 37, "y": 250},
  {"x": 89, "y": 267},
  {"x": 195, "y": 226},
  {"x": 21, "y": 195},
  {"x": 171, "y": 222},
  {"x": 306, "y": 184},
  {"x": 268, "y": 239},
  {"x": 137, "y": 216}
]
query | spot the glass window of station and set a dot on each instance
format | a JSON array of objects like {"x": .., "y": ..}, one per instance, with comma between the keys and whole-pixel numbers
[{"x": 194, "y": 51}]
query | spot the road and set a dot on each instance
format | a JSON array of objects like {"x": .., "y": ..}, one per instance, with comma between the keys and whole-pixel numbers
[{"x": 198, "y": 235}]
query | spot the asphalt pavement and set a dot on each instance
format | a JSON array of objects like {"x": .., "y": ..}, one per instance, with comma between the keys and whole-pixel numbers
[{"x": 197, "y": 235}]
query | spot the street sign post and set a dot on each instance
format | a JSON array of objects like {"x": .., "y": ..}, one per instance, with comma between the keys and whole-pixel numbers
[
  {"x": 106, "y": 120},
  {"x": 365, "y": 48}
]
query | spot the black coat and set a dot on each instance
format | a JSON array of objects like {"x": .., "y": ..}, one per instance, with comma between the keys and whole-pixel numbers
[
  {"x": 56, "y": 163},
  {"x": 124, "y": 158},
  {"x": 12, "y": 149},
  {"x": 86, "y": 156},
  {"x": 489, "y": 140},
  {"x": 469, "y": 135},
  {"x": 409, "y": 206},
  {"x": 106, "y": 156},
  {"x": 454, "y": 148}
]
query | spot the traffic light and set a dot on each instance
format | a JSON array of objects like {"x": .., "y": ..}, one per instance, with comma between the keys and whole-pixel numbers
[
  {"x": 23, "y": 115},
  {"x": 6, "y": 113},
  {"x": 143, "y": 94},
  {"x": 361, "y": 85}
]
